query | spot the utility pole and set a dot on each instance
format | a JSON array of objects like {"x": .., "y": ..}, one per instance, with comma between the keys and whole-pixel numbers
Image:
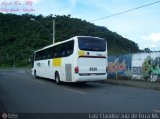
[{"x": 53, "y": 31}]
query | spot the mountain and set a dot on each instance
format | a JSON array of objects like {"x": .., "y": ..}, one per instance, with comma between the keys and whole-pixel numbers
[{"x": 19, "y": 36}]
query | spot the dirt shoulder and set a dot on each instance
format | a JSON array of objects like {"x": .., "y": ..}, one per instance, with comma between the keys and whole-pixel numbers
[{"x": 135, "y": 83}]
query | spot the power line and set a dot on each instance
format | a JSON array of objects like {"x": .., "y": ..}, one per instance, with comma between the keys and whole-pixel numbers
[{"x": 125, "y": 11}]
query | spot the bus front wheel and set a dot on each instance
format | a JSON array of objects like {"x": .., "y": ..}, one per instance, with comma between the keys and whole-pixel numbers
[{"x": 57, "y": 78}]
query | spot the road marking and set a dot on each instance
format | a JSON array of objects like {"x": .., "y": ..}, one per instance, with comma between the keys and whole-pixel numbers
[
  {"x": 156, "y": 111},
  {"x": 76, "y": 91}
]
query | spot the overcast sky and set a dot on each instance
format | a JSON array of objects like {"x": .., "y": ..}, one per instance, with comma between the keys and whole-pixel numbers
[{"x": 141, "y": 26}]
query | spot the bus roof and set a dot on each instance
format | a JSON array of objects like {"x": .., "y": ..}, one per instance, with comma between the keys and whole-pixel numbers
[{"x": 64, "y": 42}]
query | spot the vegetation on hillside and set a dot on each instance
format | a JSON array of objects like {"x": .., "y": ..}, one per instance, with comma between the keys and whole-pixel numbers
[{"x": 19, "y": 36}]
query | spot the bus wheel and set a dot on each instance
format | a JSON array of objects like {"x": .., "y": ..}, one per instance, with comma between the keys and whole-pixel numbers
[
  {"x": 57, "y": 78},
  {"x": 35, "y": 75}
]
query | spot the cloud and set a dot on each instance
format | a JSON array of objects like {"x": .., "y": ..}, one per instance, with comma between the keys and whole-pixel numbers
[
  {"x": 62, "y": 7},
  {"x": 153, "y": 46},
  {"x": 73, "y": 3},
  {"x": 37, "y": 1},
  {"x": 154, "y": 37}
]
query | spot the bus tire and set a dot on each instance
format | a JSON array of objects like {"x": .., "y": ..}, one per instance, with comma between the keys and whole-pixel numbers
[
  {"x": 57, "y": 78},
  {"x": 35, "y": 74}
]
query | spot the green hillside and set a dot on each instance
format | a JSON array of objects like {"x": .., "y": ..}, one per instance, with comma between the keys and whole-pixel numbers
[{"x": 19, "y": 36}]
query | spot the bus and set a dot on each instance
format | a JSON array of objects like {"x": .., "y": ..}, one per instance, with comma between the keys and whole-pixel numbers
[{"x": 78, "y": 59}]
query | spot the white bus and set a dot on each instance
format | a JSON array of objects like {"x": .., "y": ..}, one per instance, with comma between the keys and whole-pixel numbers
[{"x": 79, "y": 59}]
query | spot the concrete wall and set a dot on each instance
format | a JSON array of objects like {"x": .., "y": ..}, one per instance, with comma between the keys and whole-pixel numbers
[
  {"x": 119, "y": 66},
  {"x": 141, "y": 66},
  {"x": 146, "y": 66}
]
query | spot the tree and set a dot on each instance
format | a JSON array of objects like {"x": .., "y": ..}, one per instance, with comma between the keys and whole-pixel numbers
[
  {"x": 18, "y": 33},
  {"x": 147, "y": 50}
]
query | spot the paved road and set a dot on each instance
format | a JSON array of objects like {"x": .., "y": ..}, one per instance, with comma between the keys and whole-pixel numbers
[{"x": 20, "y": 92}]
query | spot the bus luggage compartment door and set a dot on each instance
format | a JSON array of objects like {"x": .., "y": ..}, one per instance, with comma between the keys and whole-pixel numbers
[{"x": 92, "y": 66}]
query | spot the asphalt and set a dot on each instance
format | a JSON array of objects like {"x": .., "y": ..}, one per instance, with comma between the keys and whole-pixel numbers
[
  {"x": 123, "y": 82},
  {"x": 2, "y": 108},
  {"x": 21, "y": 93}
]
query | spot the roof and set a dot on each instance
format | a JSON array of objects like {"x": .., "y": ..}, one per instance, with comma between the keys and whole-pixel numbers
[{"x": 64, "y": 41}]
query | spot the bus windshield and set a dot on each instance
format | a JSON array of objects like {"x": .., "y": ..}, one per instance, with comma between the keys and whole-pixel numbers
[{"x": 91, "y": 44}]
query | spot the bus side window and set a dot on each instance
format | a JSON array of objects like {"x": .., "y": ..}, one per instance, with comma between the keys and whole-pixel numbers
[
  {"x": 37, "y": 56},
  {"x": 63, "y": 50},
  {"x": 56, "y": 52},
  {"x": 63, "y": 53},
  {"x": 70, "y": 48},
  {"x": 43, "y": 54},
  {"x": 49, "y": 53}
]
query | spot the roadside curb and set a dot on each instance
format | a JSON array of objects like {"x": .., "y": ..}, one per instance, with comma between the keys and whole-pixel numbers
[{"x": 135, "y": 83}]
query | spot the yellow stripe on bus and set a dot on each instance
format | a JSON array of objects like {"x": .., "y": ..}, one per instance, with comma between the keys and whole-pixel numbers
[
  {"x": 56, "y": 62},
  {"x": 81, "y": 53}
]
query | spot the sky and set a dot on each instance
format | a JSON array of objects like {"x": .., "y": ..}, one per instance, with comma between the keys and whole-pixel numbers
[{"x": 141, "y": 26}]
